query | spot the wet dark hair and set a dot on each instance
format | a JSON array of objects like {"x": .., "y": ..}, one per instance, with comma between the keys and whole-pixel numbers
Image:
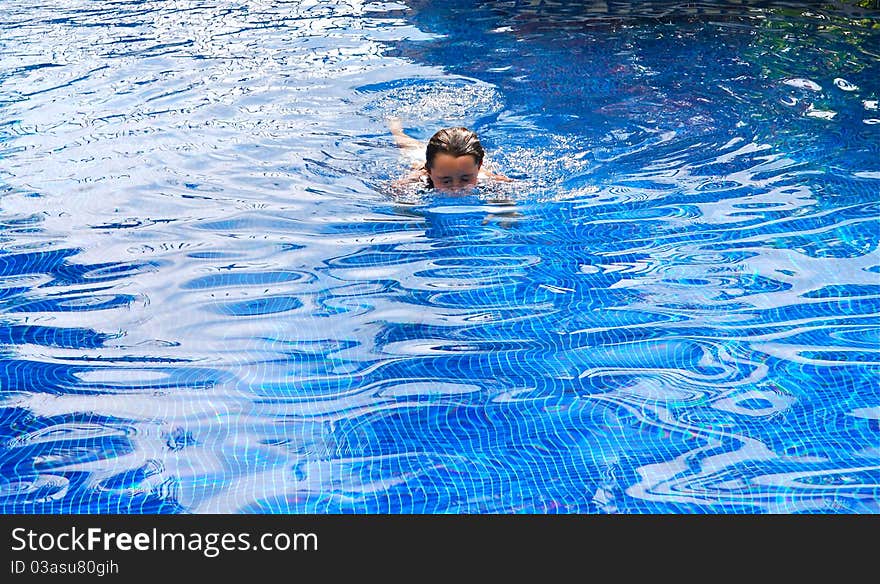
[{"x": 453, "y": 141}]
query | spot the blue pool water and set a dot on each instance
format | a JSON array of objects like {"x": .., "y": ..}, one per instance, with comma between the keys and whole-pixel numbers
[{"x": 211, "y": 301}]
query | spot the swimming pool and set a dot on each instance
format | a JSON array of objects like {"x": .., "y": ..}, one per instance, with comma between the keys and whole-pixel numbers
[{"x": 211, "y": 304}]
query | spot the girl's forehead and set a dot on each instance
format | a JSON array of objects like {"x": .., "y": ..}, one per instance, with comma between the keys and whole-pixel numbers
[{"x": 451, "y": 161}]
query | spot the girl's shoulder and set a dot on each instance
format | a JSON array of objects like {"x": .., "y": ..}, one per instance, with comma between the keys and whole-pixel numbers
[
  {"x": 485, "y": 173},
  {"x": 418, "y": 176}
]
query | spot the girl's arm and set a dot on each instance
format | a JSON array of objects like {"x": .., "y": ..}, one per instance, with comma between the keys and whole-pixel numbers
[{"x": 400, "y": 137}]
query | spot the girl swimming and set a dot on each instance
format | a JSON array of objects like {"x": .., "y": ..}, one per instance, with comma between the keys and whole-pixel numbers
[{"x": 453, "y": 159}]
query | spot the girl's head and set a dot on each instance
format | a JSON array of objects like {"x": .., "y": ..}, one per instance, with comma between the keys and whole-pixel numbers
[{"x": 453, "y": 159}]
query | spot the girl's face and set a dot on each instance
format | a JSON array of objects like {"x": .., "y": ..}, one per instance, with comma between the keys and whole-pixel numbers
[{"x": 452, "y": 173}]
